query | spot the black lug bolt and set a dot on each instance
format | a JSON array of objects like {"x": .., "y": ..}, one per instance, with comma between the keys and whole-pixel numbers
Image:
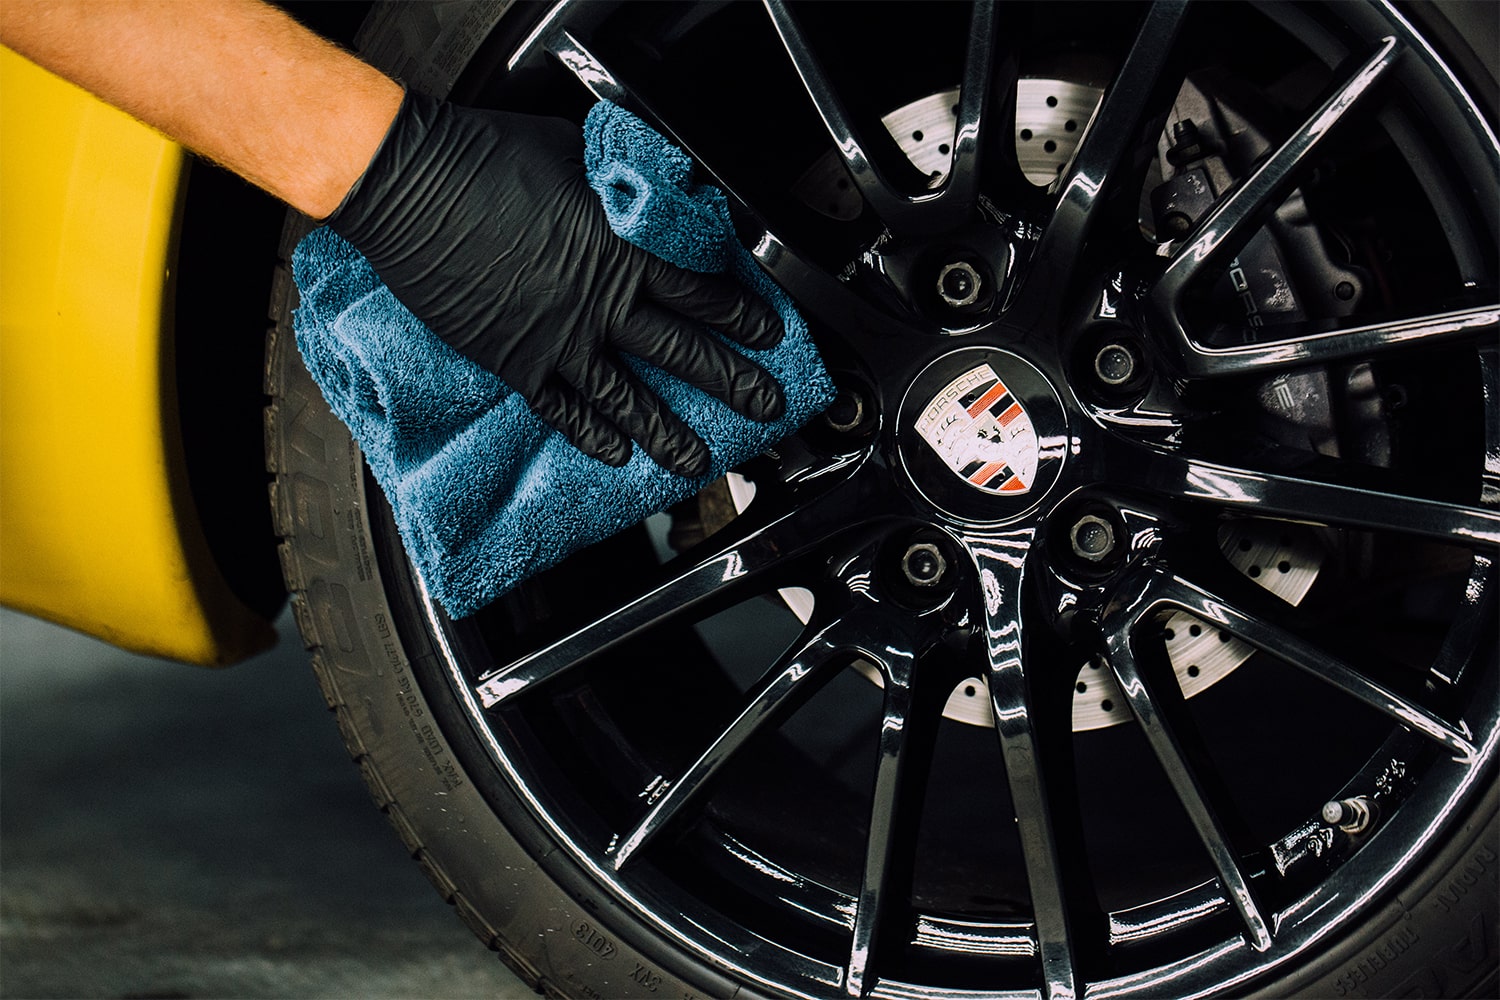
[
  {"x": 923, "y": 564},
  {"x": 846, "y": 412},
  {"x": 959, "y": 284},
  {"x": 1115, "y": 363},
  {"x": 1093, "y": 538}
]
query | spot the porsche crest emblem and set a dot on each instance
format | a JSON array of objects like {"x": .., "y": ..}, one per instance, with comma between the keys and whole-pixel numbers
[{"x": 982, "y": 432}]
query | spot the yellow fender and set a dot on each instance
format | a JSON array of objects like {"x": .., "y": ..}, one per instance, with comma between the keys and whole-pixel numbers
[{"x": 98, "y": 531}]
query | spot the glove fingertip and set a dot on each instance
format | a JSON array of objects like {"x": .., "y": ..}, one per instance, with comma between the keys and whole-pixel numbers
[
  {"x": 696, "y": 462},
  {"x": 616, "y": 454},
  {"x": 560, "y": 407},
  {"x": 764, "y": 328},
  {"x": 611, "y": 449},
  {"x": 770, "y": 403}
]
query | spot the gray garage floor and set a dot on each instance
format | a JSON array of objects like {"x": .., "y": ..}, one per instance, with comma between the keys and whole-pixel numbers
[{"x": 169, "y": 831}]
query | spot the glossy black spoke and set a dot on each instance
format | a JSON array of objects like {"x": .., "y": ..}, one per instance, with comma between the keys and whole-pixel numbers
[
  {"x": 815, "y": 290},
  {"x": 1126, "y": 620},
  {"x": 1163, "y": 589},
  {"x": 1279, "y": 495},
  {"x": 1136, "y": 97},
  {"x": 795, "y": 677},
  {"x": 887, "y": 201},
  {"x": 826, "y": 298},
  {"x": 590, "y": 71},
  {"x": 1000, "y": 561},
  {"x": 886, "y": 814},
  {"x": 1195, "y": 360},
  {"x": 1237, "y": 216},
  {"x": 955, "y": 200},
  {"x": 1473, "y": 627},
  {"x": 803, "y": 280},
  {"x": 727, "y": 564},
  {"x": 926, "y": 212},
  {"x": 604, "y": 84},
  {"x": 912, "y": 709}
]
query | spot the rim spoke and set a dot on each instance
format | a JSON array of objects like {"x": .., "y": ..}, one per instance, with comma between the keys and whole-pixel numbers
[
  {"x": 889, "y": 810},
  {"x": 605, "y": 85},
  {"x": 1117, "y": 127},
  {"x": 1000, "y": 561},
  {"x": 1165, "y": 589},
  {"x": 825, "y": 297},
  {"x": 1198, "y": 361},
  {"x": 587, "y": 67},
  {"x": 877, "y": 190},
  {"x": 785, "y": 687},
  {"x": 1119, "y": 626},
  {"x": 1454, "y": 662},
  {"x": 1239, "y": 214},
  {"x": 955, "y": 200},
  {"x": 921, "y": 213},
  {"x": 815, "y": 290},
  {"x": 1268, "y": 494},
  {"x": 751, "y": 545}
]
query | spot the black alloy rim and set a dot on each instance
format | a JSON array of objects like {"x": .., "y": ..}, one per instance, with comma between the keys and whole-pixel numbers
[{"x": 667, "y": 761}]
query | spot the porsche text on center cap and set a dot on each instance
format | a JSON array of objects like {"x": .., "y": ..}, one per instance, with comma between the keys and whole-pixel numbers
[
  {"x": 982, "y": 434},
  {"x": 980, "y": 429}
]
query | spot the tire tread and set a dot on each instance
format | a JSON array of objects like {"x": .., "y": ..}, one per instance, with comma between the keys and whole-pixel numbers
[{"x": 301, "y": 602}]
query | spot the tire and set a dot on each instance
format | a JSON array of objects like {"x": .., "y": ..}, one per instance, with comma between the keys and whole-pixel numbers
[{"x": 1280, "y": 576}]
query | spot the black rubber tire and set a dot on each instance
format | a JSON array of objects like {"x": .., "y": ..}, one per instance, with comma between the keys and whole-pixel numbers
[
  {"x": 562, "y": 943},
  {"x": 508, "y": 882}
]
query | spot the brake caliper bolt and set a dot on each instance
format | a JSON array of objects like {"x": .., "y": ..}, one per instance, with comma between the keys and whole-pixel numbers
[
  {"x": 1093, "y": 538},
  {"x": 1176, "y": 223},
  {"x": 959, "y": 284},
  {"x": 1115, "y": 363},
  {"x": 923, "y": 564},
  {"x": 1352, "y": 815}
]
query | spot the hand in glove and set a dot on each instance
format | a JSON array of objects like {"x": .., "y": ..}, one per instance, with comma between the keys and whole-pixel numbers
[{"x": 482, "y": 224}]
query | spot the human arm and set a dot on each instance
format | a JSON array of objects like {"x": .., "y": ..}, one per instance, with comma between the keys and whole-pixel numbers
[
  {"x": 480, "y": 222},
  {"x": 241, "y": 84}
]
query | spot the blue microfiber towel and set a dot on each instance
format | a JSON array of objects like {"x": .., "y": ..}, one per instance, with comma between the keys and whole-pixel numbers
[{"x": 484, "y": 493}]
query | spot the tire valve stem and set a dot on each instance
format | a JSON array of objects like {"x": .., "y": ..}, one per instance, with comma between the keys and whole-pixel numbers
[{"x": 1352, "y": 816}]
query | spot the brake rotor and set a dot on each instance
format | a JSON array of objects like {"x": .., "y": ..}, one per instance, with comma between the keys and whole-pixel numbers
[
  {"x": 1050, "y": 119},
  {"x": 1284, "y": 559}
]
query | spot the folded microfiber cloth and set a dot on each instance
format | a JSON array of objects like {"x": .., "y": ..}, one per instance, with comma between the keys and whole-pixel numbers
[{"x": 485, "y": 494}]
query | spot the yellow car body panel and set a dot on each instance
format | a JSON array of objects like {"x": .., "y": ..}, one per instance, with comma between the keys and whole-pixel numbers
[{"x": 97, "y": 526}]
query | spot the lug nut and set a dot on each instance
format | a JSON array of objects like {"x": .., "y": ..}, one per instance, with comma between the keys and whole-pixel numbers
[
  {"x": 959, "y": 284},
  {"x": 923, "y": 564},
  {"x": 846, "y": 412},
  {"x": 1115, "y": 363},
  {"x": 1093, "y": 538}
]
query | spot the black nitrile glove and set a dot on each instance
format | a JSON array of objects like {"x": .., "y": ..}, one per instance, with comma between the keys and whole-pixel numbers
[{"x": 482, "y": 224}]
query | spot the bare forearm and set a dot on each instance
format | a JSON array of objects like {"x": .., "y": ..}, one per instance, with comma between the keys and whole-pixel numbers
[{"x": 234, "y": 80}]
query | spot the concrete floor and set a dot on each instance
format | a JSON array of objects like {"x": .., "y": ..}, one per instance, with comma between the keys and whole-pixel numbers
[{"x": 170, "y": 831}]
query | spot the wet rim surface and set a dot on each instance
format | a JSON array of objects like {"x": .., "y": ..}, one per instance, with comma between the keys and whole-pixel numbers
[{"x": 605, "y": 711}]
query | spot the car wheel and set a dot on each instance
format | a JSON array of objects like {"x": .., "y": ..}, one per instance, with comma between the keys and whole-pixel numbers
[{"x": 1127, "y": 626}]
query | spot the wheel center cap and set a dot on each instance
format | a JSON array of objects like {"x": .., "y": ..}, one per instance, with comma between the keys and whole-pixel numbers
[{"x": 982, "y": 434}]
